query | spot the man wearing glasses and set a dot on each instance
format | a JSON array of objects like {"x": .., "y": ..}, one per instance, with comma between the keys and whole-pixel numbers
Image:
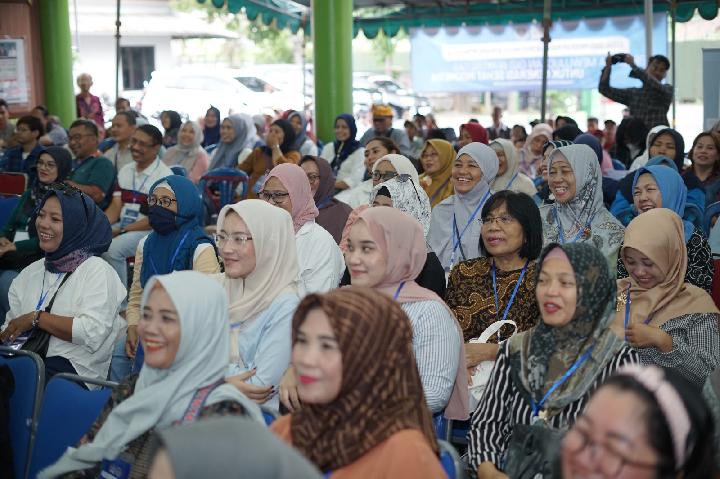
[
  {"x": 22, "y": 158},
  {"x": 382, "y": 126},
  {"x": 92, "y": 174}
]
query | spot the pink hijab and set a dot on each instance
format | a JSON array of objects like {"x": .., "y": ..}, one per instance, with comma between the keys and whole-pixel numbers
[
  {"x": 401, "y": 239},
  {"x": 354, "y": 215},
  {"x": 296, "y": 183}
]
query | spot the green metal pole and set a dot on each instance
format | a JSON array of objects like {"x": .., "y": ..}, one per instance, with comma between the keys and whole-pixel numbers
[
  {"x": 57, "y": 59},
  {"x": 332, "y": 31}
]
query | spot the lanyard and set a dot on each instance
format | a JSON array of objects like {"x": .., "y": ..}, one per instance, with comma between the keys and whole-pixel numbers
[
  {"x": 136, "y": 191},
  {"x": 43, "y": 293},
  {"x": 457, "y": 235},
  {"x": 198, "y": 401},
  {"x": 512, "y": 180},
  {"x": 561, "y": 232},
  {"x": 397, "y": 293},
  {"x": 512, "y": 296},
  {"x": 537, "y": 406},
  {"x": 174, "y": 256},
  {"x": 627, "y": 310}
]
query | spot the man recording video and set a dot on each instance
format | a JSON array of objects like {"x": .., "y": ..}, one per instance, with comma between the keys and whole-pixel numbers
[{"x": 651, "y": 102}]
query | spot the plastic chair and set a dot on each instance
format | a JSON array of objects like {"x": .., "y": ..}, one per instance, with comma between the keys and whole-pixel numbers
[
  {"x": 13, "y": 183},
  {"x": 68, "y": 411},
  {"x": 269, "y": 415},
  {"x": 225, "y": 181},
  {"x": 450, "y": 460},
  {"x": 710, "y": 211},
  {"x": 210, "y": 148},
  {"x": 441, "y": 425},
  {"x": 179, "y": 170},
  {"x": 29, "y": 374},
  {"x": 7, "y": 205},
  {"x": 619, "y": 165}
]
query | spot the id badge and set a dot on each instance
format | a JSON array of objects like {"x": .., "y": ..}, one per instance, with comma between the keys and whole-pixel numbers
[
  {"x": 115, "y": 469},
  {"x": 19, "y": 341},
  {"x": 130, "y": 216}
]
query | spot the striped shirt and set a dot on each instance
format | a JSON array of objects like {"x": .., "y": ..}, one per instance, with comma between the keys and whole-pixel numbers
[
  {"x": 436, "y": 344},
  {"x": 695, "y": 347},
  {"x": 503, "y": 406}
]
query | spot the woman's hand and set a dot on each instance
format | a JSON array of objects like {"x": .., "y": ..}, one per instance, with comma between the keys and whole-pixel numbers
[
  {"x": 6, "y": 248},
  {"x": 475, "y": 353},
  {"x": 288, "y": 390},
  {"x": 487, "y": 470},
  {"x": 131, "y": 341},
  {"x": 259, "y": 394},
  {"x": 643, "y": 336},
  {"x": 16, "y": 327}
]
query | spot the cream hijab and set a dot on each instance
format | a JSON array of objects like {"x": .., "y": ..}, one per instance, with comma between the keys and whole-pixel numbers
[
  {"x": 402, "y": 165},
  {"x": 276, "y": 263},
  {"x": 513, "y": 179},
  {"x": 659, "y": 235}
]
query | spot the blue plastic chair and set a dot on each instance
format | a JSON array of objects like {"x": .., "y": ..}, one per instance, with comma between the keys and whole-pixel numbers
[
  {"x": 441, "y": 425},
  {"x": 179, "y": 170},
  {"x": 210, "y": 148},
  {"x": 29, "y": 373},
  {"x": 450, "y": 460},
  {"x": 7, "y": 205},
  {"x": 139, "y": 358},
  {"x": 68, "y": 411},
  {"x": 226, "y": 181},
  {"x": 269, "y": 415},
  {"x": 710, "y": 211}
]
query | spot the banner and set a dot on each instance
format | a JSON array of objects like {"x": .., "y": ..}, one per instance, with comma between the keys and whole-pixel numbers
[
  {"x": 510, "y": 58},
  {"x": 13, "y": 76}
]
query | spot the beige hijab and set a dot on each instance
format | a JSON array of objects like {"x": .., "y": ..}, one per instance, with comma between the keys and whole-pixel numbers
[
  {"x": 276, "y": 264},
  {"x": 658, "y": 234}
]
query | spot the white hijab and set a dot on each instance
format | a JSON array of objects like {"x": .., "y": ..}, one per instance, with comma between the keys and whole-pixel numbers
[
  {"x": 161, "y": 396},
  {"x": 402, "y": 165}
]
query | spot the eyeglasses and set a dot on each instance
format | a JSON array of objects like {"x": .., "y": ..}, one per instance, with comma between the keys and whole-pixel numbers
[
  {"x": 237, "y": 240},
  {"x": 380, "y": 176},
  {"x": 46, "y": 164},
  {"x": 163, "y": 201},
  {"x": 276, "y": 197},
  {"x": 429, "y": 155},
  {"x": 312, "y": 177},
  {"x": 79, "y": 136},
  {"x": 503, "y": 220},
  {"x": 612, "y": 462}
]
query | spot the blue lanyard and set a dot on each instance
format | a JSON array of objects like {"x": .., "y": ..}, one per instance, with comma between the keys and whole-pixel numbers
[
  {"x": 561, "y": 233},
  {"x": 456, "y": 231},
  {"x": 43, "y": 293},
  {"x": 537, "y": 406},
  {"x": 174, "y": 256},
  {"x": 397, "y": 293},
  {"x": 627, "y": 310},
  {"x": 512, "y": 296},
  {"x": 512, "y": 180}
]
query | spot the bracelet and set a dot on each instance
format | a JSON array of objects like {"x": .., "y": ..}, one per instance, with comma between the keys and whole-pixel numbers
[{"x": 36, "y": 319}]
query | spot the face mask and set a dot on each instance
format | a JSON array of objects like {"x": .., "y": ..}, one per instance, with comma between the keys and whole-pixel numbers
[{"x": 162, "y": 220}]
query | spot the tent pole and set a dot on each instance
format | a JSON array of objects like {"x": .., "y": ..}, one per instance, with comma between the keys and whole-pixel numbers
[
  {"x": 648, "y": 29},
  {"x": 673, "y": 6},
  {"x": 117, "y": 51},
  {"x": 547, "y": 22}
]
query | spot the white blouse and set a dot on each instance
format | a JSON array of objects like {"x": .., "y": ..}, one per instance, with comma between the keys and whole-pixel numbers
[
  {"x": 352, "y": 170},
  {"x": 321, "y": 263},
  {"x": 91, "y": 296}
]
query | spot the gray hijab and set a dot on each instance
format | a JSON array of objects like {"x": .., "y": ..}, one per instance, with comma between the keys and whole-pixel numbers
[
  {"x": 226, "y": 154},
  {"x": 232, "y": 447},
  {"x": 460, "y": 208}
]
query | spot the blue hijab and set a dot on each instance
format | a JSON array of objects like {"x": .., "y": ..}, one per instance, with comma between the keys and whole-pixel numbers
[
  {"x": 343, "y": 149},
  {"x": 673, "y": 192},
  {"x": 163, "y": 254},
  {"x": 86, "y": 230},
  {"x": 211, "y": 136}
]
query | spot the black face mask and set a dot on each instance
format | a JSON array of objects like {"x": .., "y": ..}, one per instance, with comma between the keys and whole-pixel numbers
[{"x": 162, "y": 220}]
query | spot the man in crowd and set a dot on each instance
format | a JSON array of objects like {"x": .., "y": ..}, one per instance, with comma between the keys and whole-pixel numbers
[
  {"x": 93, "y": 174},
  {"x": 592, "y": 125},
  {"x": 651, "y": 102},
  {"x": 382, "y": 126},
  {"x": 498, "y": 129},
  {"x": 6, "y": 128},
  {"x": 22, "y": 158},
  {"x": 123, "y": 127},
  {"x": 55, "y": 135}
]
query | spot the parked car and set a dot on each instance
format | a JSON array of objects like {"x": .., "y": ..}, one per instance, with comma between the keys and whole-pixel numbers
[{"x": 403, "y": 100}]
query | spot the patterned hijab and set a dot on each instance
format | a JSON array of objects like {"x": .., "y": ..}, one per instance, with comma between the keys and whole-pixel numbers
[
  {"x": 381, "y": 392},
  {"x": 541, "y": 355},
  {"x": 438, "y": 185},
  {"x": 296, "y": 182},
  {"x": 665, "y": 246},
  {"x": 408, "y": 198}
]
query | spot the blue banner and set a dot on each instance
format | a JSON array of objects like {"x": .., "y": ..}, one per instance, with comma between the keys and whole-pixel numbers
[{"x": 509, "y": 58}]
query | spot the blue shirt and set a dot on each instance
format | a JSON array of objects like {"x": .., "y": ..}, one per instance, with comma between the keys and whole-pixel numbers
[{"x": 13, "y": 161}]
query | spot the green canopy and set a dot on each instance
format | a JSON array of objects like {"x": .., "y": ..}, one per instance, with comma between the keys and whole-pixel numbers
[{"x": 391, "y": 16}]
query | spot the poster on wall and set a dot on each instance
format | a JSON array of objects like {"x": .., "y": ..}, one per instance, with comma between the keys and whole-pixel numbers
[{"x": 13, "y": 74}]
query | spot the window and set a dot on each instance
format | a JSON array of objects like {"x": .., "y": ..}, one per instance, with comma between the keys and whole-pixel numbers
[{"x": 137, "y": 65}]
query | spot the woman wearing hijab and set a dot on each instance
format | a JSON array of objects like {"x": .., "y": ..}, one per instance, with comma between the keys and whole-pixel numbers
[
  {"x": 171, "y": 122},
  {"x": 319, "y": 257},
  {"x": 471, "y": 133},
  {"x": 578, "y": 214},
  {"x": 509, "y": 176},
  {"x": 363, "y": 411},
  {"x": 302, "y": 144},
  {"x": 544, "y": 195},
  {"x": 374, "y": 150},
  {"x": 662, "y": 141},
  {"x": 455, "y": 230},
  {"x": 346, "y": 154},
  {"x": 53, "y": 166},
  {"x": 669, "y": 322},
  {"x": 705, "y": 164},
  {"x": 184, "y": 332},
  {"x": 544, "y": 376},
  {"x": 79, "y": 293},
  {"x": 661, "y": 187},
  {"x": 257, "y": 246},
  {"x": 567, "y": 132},
  {"x": 279, "y": 150},
  {"x": 218, "y": 447},
  {"x": 332, "y": 214},
  {"x": 531, "y": 153},
  {"x": 177, "y": 242},
  {"x": 188, "y": 152},
  {"x": 237, "y": 139},
  {"x": 211, "y": 127},
  {"x": 436, "y": 159}
]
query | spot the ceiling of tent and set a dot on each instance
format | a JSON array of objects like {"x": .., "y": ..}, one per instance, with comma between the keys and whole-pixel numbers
[{"x": 391, "y": 16}]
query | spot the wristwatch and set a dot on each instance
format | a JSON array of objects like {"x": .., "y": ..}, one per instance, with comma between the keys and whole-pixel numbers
[{"x": 36, "y": 319}]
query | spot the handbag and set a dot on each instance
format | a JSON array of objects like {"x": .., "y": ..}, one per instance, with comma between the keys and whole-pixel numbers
[
  {"x": 39, "y": 339},
  {"x": 481, "y": 374},
  {"x": 533, "y": 452}
]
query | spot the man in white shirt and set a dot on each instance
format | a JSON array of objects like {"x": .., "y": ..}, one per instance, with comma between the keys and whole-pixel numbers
[
  {"x": 123, "y": 127},
  {"x": 130, "y": 225}
]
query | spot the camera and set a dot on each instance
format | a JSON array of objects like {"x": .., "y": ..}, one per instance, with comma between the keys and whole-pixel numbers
[{"x": 618, "y": 58}]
